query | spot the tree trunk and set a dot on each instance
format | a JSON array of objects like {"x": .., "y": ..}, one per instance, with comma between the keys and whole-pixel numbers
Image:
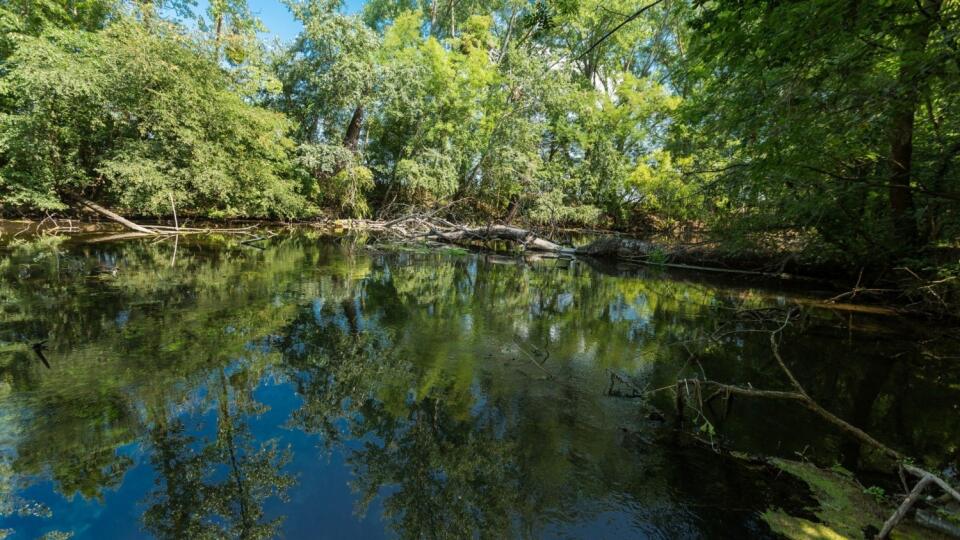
[
  {"x": 352, "y": 137},
  {"x": 453, "y": 18},
  {"x": 905, "y": 106},
  {"x": 216, "y": 41},
  {"x": 901, "y": 156},
  {"x": 502, "y": 232}
]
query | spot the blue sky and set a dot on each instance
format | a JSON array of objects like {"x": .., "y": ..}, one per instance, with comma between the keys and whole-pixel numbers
[{"x": 277, "y": 18}]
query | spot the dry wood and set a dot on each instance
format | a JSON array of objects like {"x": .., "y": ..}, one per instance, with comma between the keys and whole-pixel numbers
[
  {"x": 160, "y": 229},
  {"x": 115, "y": 217},
  {"x": 904, "y": 508},
  {"x": 119, "y": 236},
  {"x": 201, "y": 229},
  {"x": 173, "y": 206},
  {"x": 420, "y": 226},
  {"x": 501, "y": 232},
  {"x": 947, "y": 488}
]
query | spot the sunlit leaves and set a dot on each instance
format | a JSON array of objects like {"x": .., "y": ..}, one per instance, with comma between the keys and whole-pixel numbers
[{"x": 134, "y": 117}]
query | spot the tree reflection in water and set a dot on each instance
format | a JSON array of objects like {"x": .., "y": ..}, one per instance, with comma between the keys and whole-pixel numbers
[
  {"x": 466, "y": 396},
  {"x": 216, "y": 489}
]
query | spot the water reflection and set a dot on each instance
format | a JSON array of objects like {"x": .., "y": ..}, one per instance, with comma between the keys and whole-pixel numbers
[
  {"x": 215, "y": 487},
  {"x": 313, "y": 389}
]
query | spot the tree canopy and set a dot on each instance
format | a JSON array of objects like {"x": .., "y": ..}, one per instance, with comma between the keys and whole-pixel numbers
[{"x": 831, "y": 129}]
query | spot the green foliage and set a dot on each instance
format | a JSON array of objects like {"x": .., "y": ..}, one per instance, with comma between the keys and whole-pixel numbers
[
  {"x": 430, "y": 176},
  {"x": 468, "y": 109},
  {"x": 663, "y": 190},
  {"x": 550, "y": 208},
  {"x": 793, "y": 116},
  {"x": 350, "y": 187},
  {"x": 131, "y": 117},
  {"x": 339, "y": 181},
  {"x": 327, "y": 72},
  {"x": 877, "y": 492},
  {"x": 844, "y": 509},
  {"x": 825, "y": 129}
]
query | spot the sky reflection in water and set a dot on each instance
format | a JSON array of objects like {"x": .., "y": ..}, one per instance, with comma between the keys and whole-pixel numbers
[{"x": 325, "y": 390}]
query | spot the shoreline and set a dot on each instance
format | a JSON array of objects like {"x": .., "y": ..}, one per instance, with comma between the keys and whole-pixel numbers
[{"x": 607, "y": 247}]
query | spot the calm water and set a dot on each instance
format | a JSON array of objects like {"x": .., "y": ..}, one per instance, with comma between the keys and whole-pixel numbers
[{"x": 308, "y": 388}]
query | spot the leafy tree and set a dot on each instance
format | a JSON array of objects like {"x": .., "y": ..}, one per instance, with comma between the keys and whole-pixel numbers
[
  {"x": 327, "y": 78},
  {"x": 836, "y": 120},
  {"x": 133, "y": 117}
]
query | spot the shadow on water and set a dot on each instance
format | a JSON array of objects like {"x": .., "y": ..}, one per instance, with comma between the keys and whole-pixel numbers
[{"x": 314, "y": 389}]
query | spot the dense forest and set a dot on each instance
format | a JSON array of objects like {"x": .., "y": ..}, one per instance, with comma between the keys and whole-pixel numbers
[
  {"x": 827, "y": 129},
  {"x": 227, "y": 379}
]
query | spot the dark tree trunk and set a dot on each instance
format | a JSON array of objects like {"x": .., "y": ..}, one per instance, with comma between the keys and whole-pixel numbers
[
  {"x": 901, "y": 156},
  {"x": 352, "y": 137},
  {"x": 907, "y": 100},
  {"x": 512, "y": 210}
]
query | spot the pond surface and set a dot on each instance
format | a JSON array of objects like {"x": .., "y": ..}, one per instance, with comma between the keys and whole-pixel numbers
[{"x": 309, "y": 388}]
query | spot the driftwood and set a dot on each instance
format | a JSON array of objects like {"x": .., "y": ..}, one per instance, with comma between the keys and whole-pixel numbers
[
  {"x": 426, "y": 226},
  {"x": 618, "y": 248},
  {"x": 157, "y": 230},
  {"x": 526, "y": 238},
  {"x": 119, "y": 236},
  {"x": 926, "y": 478},
  {"x": 431, "y": 228},
  {"x": 115, "y": 217}
]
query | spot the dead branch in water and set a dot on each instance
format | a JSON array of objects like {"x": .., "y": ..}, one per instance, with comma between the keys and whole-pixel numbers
[
  {"x": 427, "y": 226},
  {"x": 113, "y": 216},
  {"x": 525, "y": 238},
  {"x": 800, "y": 395},
  {"x": 926, "y": 478},
  {"x": 156, "y": 230}
]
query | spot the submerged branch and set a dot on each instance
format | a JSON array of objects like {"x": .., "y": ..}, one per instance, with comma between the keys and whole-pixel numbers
[
  {"x": 426, "y": 226},
  {"x": 799, "y": 394}
]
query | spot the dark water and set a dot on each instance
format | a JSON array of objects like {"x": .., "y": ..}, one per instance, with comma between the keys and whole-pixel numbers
[{"x": 313, "y": 389}]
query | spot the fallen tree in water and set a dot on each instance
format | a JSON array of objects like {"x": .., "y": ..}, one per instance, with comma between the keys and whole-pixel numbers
[
  {"x": 696, "y": 394},
  {"x": 526, "y": 239},
  {"x": 427, "y": 227},
  {"x": 156, "y": 230}
]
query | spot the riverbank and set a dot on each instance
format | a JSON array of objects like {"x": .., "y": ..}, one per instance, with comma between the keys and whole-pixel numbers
[{"x": 921, "y": 291}]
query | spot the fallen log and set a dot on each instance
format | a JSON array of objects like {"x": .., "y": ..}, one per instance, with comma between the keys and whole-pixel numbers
[
  {"x": 117, "y": 237},
  {"x": 618, "y": 248},
  {"x": 418, "y": 227},
  {"x": 115, "y": 217},
  {"x": 164, "y": 228},
  {"x": 157, "y": 230},
  {"x": 636, "y": 251},
  {"x": 500, "y": 232}
]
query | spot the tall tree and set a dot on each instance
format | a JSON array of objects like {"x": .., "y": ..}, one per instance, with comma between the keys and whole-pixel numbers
[{"x": 806, "y": 116}]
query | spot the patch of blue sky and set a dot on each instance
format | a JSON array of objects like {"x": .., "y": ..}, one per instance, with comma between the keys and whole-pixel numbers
[{"x": 277, "y": 19}]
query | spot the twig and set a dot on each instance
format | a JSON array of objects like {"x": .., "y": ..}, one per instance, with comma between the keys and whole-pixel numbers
[
  {"x": 799, "y": 394},
  {"x": 618, "y": 27}
]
